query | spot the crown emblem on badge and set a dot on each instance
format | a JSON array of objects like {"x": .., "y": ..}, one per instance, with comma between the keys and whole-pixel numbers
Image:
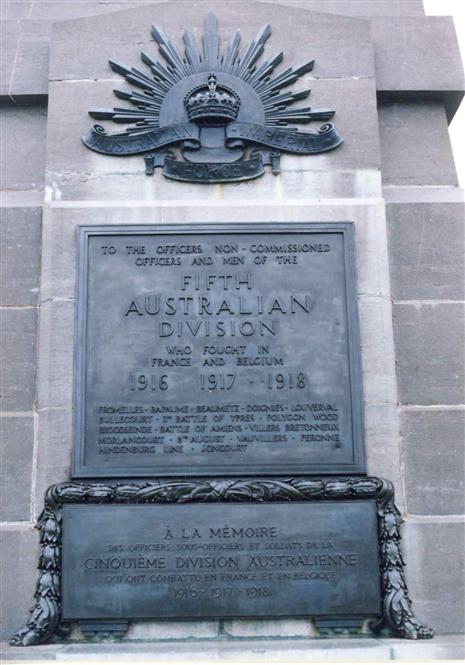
[
  {"x": 212, "y": 113},
  {"x": 212, "y": 104}
]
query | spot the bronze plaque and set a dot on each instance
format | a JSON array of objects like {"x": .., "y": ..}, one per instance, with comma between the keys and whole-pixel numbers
[
  {"x": 221, "y": 560},
  {"x": 217, "y": 349}
]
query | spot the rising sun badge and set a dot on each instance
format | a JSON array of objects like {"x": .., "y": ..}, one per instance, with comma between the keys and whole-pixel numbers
[{"x": 211, "y": 116}]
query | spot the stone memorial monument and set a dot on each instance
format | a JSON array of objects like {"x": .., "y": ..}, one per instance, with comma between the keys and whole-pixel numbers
[{"x": 223, "y": 444}]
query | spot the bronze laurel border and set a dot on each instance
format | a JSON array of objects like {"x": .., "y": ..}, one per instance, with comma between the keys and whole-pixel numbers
[{"x": 44, "y": 620}]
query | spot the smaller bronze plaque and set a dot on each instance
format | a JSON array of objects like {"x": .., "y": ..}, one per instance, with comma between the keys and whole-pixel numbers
[{"x": 221, "y": 560}]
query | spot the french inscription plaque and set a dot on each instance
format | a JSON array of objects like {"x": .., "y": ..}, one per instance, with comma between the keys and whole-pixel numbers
[
  {"x": 215, "y": 349},
  {"x": 249, "y": 560}
]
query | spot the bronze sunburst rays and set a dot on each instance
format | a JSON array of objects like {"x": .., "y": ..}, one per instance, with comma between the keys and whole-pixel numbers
[{"x": 153, "y": 87}]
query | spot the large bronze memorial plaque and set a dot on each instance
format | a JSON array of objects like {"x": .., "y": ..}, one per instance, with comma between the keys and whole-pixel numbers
[
  {"x": 213, "y": 349},
  {"x": 223, "y": 560}
]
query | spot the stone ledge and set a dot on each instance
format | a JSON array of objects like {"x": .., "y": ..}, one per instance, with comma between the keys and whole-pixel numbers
[
  {"x": 423, "y": 194},
  {"x": 443, "y": 647}
]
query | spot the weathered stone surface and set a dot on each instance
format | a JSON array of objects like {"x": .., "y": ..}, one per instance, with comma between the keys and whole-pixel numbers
[
  {"x": 423, "y": 194},
  {"x": 409, "y": 153},
  {"x": 56, "y": 10},
  {"x": 18, "y": 359},
  {"x": 56, "y": 354},
  {"x": 443, "y": 647},
  {"x": 420, "y": 42},
  {"x": 25, "y": 51},
  {"x": 426, "y": 243},
  {"x": 15, "y": 10},
  {"x": 54, "y": 449},
  {"x": 429, "y": 352},
  {"x": 359, "y": 7},
  {"x": 434, "y": 459},
  {"x": 379, "y": 383},
  {"x": 122, "y": 35},
  {"x": 270, "y": 628},
  {"x": 10, "y": 35},
  {"x": 382, "y": 445},
  {"x": 172, "y": 630},
  {"x": 61, "y": 10},
  {"x": 435, "y": 572},
  {"x": 28, "y": 61},
  {"x": 357, "y": 650},
  {"x": 27, "y": 29},
  {"x": 418, "y": 53},
  {"x": 18, "y": 562},
  {"x": 17, "y": 436},
  {"x": 19, "y": 277},
  {"x": 340, "y": 184},
  {"x": 23, "y": 139}
]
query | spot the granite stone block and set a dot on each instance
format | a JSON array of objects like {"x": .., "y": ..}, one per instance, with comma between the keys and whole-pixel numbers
[
  {"x": 16, "y": 10},
  {"x": 30, "y": 71},
  {"x": 17, "y": 442},
  {"x": 54, "y": 449},
  {"x": 27, "y": 29},
  {"x": 136, "y": 187},
  {"x": 23, "y": 139},
  {"x": 418, "y": 194},
  {"x": 56, "y": 349},
  {"x": 336, "y": 649},
  {"x": 426, "y": 243},
  {"x": 27, "y": 26},
  {"x": 269, "y": 628},
  {"x": 18, "y": 359},
  {"x": 62, "y": 10},
  {"x": 18, "y": 563},
  {"x": 10, "y": 34},
  {"x": 434, "y": 461},
  {"x": 417, "y": 53},
  {"x": 56, "y": 10},
  {"x": 379, "y": 384},
  {"x": 20, "y": 230},
  {"x": 442, "y": 648},
  {"x": 359, "y": 7},
  {"x": 225, "y": 650},
  {"x": 25, "y": 54},
  {"x": 422, "y": 52},
  {"x": 382, "y": 447},
  {"x": 236, "y": 651},
  {"x": 429, "y": 341},
  {"x": 435, "y": 554},
  {"x": 172, "y": 630},
  {"x": 122, "y": 35},
  {"x": 415, "y": 144}
]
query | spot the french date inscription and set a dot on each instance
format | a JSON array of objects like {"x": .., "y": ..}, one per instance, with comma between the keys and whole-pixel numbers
[
  {"x": 236, "y": 560},
  {"x": 217, "y": 351}
]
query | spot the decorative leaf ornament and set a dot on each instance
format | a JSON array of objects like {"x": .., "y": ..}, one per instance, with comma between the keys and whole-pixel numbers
[{"x": 396, "y": 613}]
